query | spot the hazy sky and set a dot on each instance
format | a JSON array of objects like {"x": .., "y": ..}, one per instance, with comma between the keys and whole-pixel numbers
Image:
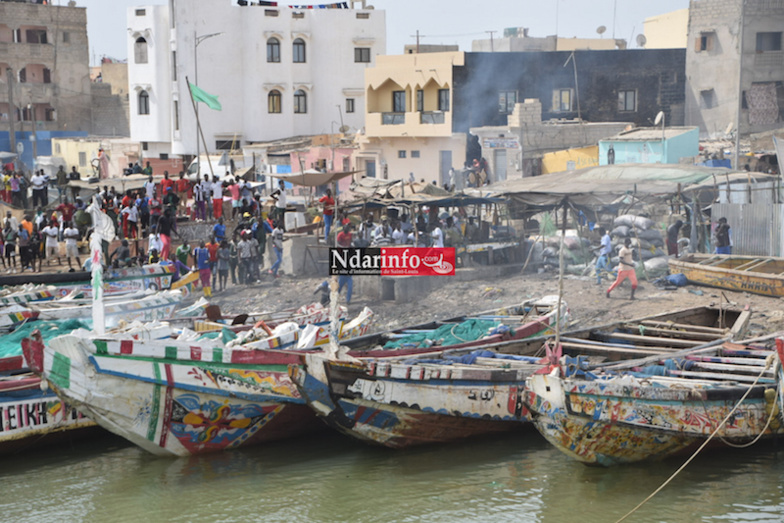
[{"x": 439, "y": 21}]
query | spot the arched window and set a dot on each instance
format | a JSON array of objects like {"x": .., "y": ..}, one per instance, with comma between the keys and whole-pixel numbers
[
  {"x": 273, "y": 50},
  {"x": 140, "y": 51},
  {"x": 299, "y": 51},
  {"x": 274, "y": 102},
  {"x": 300, "y": 102},
  {"x": 144, "y": 102}
]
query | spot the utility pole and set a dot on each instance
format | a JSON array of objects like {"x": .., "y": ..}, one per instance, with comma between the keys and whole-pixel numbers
[
  {"x": 11, "y": 111},
  {"x": 196, "y": 41},
  {"x": 417, "y": 40},
  {"x": 492, "y": 47},
  {"x": 740, "y": 85}
]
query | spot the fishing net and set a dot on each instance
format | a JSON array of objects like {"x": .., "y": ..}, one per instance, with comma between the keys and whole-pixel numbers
[
  {"x": 451, "y": 334},
  {"x": 11, "y": 344}
]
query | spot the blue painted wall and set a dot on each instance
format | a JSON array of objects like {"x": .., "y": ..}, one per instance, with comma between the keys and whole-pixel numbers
[
  {"x": 686, "y": 144},
  {"x": 44, "y": 139}
]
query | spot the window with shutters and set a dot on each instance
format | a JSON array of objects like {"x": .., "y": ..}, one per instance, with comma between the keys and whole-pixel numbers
[
  {"x": 140, "y": 51},
  {"x": 274, "y": 102},
  {"x": 627, "y": 101},
  {"x": 562, "y": 100},
  {"x": 144, "y": 102},
  {"x": 273, "y": 50},
  {"x": 299, "y": 51},
  {"x": 300, "y": 102}
]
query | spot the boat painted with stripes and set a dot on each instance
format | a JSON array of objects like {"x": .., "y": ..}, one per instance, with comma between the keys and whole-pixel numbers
[
  {"x": 657, "y": 407},
  {"x": 24, "y": 294},
  {"x": 179, "y": 397},
  {"x": 454, "y": 394}
]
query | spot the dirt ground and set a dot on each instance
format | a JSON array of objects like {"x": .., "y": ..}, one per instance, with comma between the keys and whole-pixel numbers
[{"x": 587, "y": 302}]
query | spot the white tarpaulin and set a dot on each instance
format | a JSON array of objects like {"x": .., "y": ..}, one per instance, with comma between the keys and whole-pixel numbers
[{"x": 313, "y": 178}]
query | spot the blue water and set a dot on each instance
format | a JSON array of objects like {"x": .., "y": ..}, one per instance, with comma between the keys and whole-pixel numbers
[{"x": 516, "y": 477}]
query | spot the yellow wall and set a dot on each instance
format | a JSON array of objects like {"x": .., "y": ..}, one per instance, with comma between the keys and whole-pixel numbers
[
  {"x": 410, "y": 72},
  {"x": 385, "y": 151},
  {"x": 667, "y": 31},
  {"x": 557, "y": 161}
]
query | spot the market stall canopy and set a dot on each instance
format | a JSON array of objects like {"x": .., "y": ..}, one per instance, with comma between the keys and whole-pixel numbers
[
  {"x": 603, "y": 185},
  {"x": 312, "y": 177},
  {"x": 5, "y": 156},
  {"x": 132, "y": 182}
]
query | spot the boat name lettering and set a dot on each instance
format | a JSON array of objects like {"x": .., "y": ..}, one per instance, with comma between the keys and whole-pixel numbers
[{"x": 485, "y": 395}]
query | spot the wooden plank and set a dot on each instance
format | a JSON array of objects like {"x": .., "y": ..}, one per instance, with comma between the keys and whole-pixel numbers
[
  {"x": 651, "y": 339},
  {"x": 598, "y": 349},
  {"x": 755, "y": 362},
  {"x": 753, "y": 266},
  {"x": 748, "y": 263},
  {"x": 706, "y": 336},
  {"x": 707, "y": 261},
  {"x": 743, "y": 369},
  {"x": 685, "y": 326},
  {"x": 721, "y": 377}
]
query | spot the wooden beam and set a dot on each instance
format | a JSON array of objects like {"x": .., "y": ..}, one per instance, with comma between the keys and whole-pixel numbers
[
  {"x": 685, "y": 326},
  {"x": 651, "y": 339}
]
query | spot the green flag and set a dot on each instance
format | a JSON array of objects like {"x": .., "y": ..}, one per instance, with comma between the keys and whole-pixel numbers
[{"x": 201, "y": 95}]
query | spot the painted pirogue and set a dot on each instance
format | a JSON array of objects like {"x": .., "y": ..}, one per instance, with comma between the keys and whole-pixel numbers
[
  {"x": 457, "y": 394},
  {"x": 176, "y": 397},
  {"x": 656, "y": 407}
]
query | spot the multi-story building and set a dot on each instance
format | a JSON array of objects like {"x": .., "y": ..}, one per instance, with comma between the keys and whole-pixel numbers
[
  {"x": 278, "y": 71},
  {"x": 44, "y": 55},
  {"x": 735, "y": 66},
  {"x": 421, "y": 108}
]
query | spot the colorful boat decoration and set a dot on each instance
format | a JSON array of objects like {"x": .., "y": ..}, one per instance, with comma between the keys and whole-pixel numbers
[
  {"x": 26, "y": 294},
  {"x": 140, "y": 307},
  {"x": 657, "y": 407},
  {"x": 755, "y": 274},
  {"x": 178, "y": 397},
  {"x": 460, "y": 393},
  {"x": 29, "y": 416},
  {"x": 13, "y": 316},
  {"x": 122, "y": 280}
]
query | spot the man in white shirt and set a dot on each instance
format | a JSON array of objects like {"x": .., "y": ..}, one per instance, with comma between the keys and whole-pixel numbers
[
  {"x": 71, "y": 235},
  {"x": 10, "y": 221},
  {"x": 398, "y": 236},
  {"x": 154, "y": 241},
  {"x": 437, "y": 235},
  {"x": 39, "y": 189},
  {"x": 149, "y": 187},
  {"x": 206, "y": 192},
  {"x": 52, "y": 245},
  {"x": 217, "y": 199},
  {"x": 280, "y": 197}
]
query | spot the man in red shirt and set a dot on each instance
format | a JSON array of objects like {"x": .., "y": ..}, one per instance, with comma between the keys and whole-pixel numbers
[
  {"x": 66, "y": 210},
  {"x": 345, "y": 237},
  {"x": 166, "y": 183},
  {"x": 213, "y": 247},
  {"x": 329, "y": 211},
  {"x": 182, "y": 187}
]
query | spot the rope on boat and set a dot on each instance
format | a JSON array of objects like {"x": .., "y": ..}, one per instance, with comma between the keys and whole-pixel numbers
[
  {"x": 773, "y": 412},
  {"x": 768, "y": 362}
]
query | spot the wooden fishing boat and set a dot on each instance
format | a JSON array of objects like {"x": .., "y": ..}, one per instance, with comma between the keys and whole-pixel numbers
[
  {"x": 139, "y": 307},
  {"x": 755, "y": 274},
  {"x": 460, "y": 393},
  {"x": 657, "y": 407},
  {"x": 26, "y": 294},
  {"x": 14, "y": 315},
  {"x": 195, "y": 396},
  {"x": 154, "y": 277},
  {"x": 179, "y": 397},
  {"x": 31, "y": 417}
]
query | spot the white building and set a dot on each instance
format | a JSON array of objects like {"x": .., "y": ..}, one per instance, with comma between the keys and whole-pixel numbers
[{"x": 277, "y": 71}]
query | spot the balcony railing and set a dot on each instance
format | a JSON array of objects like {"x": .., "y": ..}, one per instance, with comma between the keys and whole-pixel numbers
[
  {"x": 393, "y": 118},
  {"x": 431, "y": 117}
]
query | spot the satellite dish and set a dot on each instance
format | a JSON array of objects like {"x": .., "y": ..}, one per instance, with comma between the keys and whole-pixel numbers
[
  {"x": 344, "y": 129},
  {"x": 641, "y": 40},
  {"x": 729, "y": 128},
  {"x": 601, "y": 29},
  {"x": 659, "y": 118}
]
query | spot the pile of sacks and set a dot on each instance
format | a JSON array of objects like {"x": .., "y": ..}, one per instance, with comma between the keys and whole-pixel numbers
[
  {"x": 577, "y": 253},
  {"x": 646, "y": 239}
]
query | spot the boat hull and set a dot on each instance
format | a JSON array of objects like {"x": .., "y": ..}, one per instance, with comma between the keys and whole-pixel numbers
[
  {"x": 725, "y": 274},
  {"x": 617, "y": 423},
  {"x": 382, "y": 403},
  {"x": 170, "y": 407},
  {"x": 31, "y": 417}
]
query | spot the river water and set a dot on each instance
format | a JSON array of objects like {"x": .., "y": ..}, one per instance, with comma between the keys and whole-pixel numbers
[{"x": 515, "y": 477}]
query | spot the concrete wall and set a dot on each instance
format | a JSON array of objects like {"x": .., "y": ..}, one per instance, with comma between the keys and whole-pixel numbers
[
  {"x": 667, "y": 31},
  {"x": 65, "y": 55},
  {"x": 657, "y": 77},
  {"x": 712, "y": 95},
  {"x": 121, "y": 152},
  {"x": 672, "y": 150}
]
